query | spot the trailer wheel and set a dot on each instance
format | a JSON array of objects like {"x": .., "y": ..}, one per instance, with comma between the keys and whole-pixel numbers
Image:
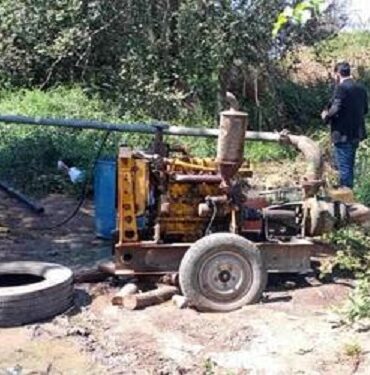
[
  {"x": 222, "y": 272},
  {"x": 33, "y": 291}
]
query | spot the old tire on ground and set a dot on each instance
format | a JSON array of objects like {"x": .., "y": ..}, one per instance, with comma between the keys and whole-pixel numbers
[
  {"x": 222, "y": 272},
  {"x": 33, "y": 291}
]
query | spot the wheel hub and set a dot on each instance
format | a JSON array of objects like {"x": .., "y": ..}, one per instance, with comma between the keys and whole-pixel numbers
[{"x": 225, "y": 276}]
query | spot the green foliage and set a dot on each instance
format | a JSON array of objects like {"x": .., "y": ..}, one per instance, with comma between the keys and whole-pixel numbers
[
  {"x": 350, "y": 46},
  {"x": 362, "y": 189},
  {"x": 362, "y": 185},
  {"x": 259, "y": 152},
  {"x": 359, "y": 304},
  {"x": 353, "y": 254},
  {"x": 300, "y": 13},
  {"x": 144, "y": 53},
  {"x": 209, "y": 367},
  {"x": 29, "y": 154},
  {"x": 38, "y": 38},
  {"x": 306, "y": 88},
  {"x": 139, "y": 60},
  {"x": 164, "y": 58},
  {"x": 303, "y": 103},
  {"x": 353, "y": 349},
  {"x": 353, "y": 249}
]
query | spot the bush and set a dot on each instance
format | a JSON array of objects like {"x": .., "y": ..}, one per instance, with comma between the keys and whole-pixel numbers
[
  {"x": 259, "y": 152},
  {"x": 145, "y": 53},
  {"x": 303, "y": 103},
  {"x": 359, "y": 303},
  {"x": 163, "y": 56},
  {"x": 353, "y": 245},
  {"x": 362, "y": 185}
]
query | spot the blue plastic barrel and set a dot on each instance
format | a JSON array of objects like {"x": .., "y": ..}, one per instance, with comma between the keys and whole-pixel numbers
[{"x": 105, "y": 197}]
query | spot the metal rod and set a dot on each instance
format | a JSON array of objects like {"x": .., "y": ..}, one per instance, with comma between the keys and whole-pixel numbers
[
  {"x": 308, "y": 147},
  {"x": 197, "y": 178},
  {"x": 79, "y": 124},
  {"x": 35, "y": 207},
  {"x": 145, "y": 128}
]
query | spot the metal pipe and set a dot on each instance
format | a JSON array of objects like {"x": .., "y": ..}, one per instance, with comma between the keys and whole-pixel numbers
[
  {"x": 307, "y": 146},
  {"x": 34, "y": 206},
  {"x": 197, "y": 178},
  {"x": 81, "y": 124},
  {"x": 311, "y": 152},
  {"x": 146, "y": 128}
]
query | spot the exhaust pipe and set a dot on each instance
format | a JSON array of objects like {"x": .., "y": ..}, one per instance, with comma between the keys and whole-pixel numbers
[{"x": 230, "y": 144}]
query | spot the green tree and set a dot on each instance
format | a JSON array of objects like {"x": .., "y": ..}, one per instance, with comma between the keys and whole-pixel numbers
[{"x": 161, "y": 56}]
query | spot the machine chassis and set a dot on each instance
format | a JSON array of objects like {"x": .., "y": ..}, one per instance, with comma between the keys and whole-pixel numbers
[{"x": 148, "y": 258}]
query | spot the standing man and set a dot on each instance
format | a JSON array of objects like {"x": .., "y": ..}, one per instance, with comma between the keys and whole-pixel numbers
[{"x": 346, "y": 115}]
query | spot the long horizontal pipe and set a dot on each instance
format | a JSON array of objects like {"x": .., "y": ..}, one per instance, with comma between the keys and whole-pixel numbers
[
  {"x": 308, "y": 147},
  {"x": 149, "y": 128}
]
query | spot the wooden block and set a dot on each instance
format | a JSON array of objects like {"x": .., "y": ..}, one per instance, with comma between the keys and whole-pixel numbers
[
  {"x": 126, "y": 290},
  {"x": 141, "y": 300}
]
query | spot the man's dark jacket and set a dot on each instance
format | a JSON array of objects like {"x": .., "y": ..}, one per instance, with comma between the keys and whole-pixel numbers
[{"x": 347, "y": 110}]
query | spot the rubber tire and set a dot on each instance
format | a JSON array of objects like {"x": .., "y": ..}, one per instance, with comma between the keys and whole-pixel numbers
[
  {"x": 35, "y": 302},
  {"x": 190, "y": 264}
]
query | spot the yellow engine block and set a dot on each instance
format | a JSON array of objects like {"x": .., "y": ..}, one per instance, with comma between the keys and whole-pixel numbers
[{"x": 177, "y": 217}]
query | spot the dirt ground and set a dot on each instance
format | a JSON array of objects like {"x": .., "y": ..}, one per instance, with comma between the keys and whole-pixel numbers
[{"x": 294, "y": 330}]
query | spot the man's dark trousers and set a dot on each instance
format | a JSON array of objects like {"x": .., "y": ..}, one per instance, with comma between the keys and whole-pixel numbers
[{"x": 345, "y": 155}]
